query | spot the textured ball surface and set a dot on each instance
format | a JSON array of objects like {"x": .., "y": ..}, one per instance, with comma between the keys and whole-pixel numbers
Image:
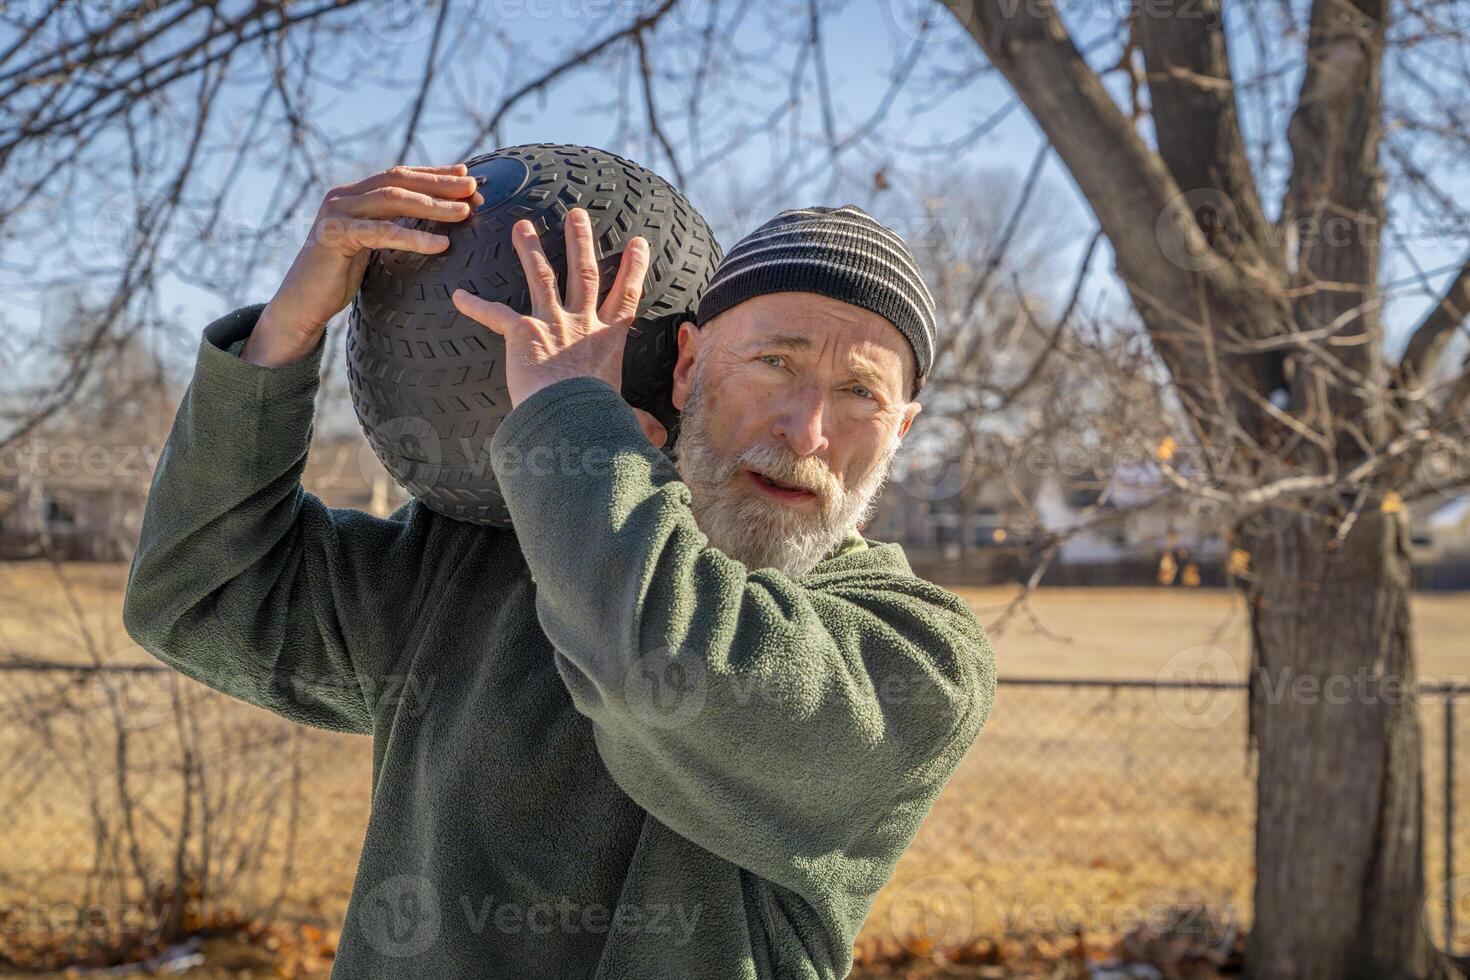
[{"x": 428, "y": 383}]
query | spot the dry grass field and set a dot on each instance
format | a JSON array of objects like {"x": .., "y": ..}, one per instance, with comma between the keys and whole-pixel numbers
[{"x": 1080, "y": 808}]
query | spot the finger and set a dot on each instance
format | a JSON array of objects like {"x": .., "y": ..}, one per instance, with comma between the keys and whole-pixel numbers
[
  {"x": 352, "y": 235},
  {"x": 496, "y": 316},
  {"x": 425, "y": 181},
  {"x": 581, "y": 262},
  {"x": 540, "y": 277},
  {"x": 451, "y": 168},
  {"x": 621, "y": 306},
  {"x": 652, "y": 428},
  {"x": 400, "y": 202}
]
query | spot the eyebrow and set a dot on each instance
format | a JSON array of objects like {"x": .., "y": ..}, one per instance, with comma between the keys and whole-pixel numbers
[{"x": 860, "y": 367}]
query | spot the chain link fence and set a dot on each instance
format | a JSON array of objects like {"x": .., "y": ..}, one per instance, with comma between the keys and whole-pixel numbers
[
  {"x": 1103, "y": 805},
  {"x": 1087, "y": 805}
]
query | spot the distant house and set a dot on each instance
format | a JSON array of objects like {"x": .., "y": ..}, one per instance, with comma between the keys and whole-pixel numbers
[
  {"x": 922, "y": 519},
  {"x": 1440, "y": 530},
  {"x": 1097, "y": 520},
  {"x": 1115, "y": 519},
  {"x": 1082, "y": 513},
  {"x": 75, "y": 485},
  {"x": 54, "y": 503},
  {"x": 68, "y": 514}
]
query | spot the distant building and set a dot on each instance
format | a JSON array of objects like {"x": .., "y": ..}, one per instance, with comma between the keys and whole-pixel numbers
[
  {"x": 75, "y": 485},
  {"x": 1095, "y": 520},
  {"x": 65, "y": 499},
  {"x": 1440, "y": 529}
]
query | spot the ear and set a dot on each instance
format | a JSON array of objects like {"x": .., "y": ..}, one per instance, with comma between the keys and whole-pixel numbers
[
  {"x": 684, "y": 367},
  {"x": 913, "y": 409}
]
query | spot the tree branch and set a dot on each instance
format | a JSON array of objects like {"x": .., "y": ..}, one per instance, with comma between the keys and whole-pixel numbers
[
  {"x": 1432, "y": 335},
  {"x": 1334, "y": 135},
  {"x": 1192, "y": 93},
  {"x": 1119, "y": 175},
  {"x": 1162, "y": 255}
]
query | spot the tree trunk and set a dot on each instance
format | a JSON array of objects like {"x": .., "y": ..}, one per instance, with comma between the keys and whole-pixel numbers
[
  {"x": 1339, "y": 862},
  {"x": 1340, "y": 882}
]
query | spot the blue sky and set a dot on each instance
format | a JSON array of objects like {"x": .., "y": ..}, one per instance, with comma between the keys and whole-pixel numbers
[{"x": 363, "y": 102}]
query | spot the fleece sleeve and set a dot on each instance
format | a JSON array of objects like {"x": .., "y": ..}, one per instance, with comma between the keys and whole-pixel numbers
[
  {"x": 244, "y": 581},
  {"x": 776, "y": 722}
]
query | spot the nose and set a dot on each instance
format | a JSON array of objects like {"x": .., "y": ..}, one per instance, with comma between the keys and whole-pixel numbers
[{"x": 800, "y": 423}]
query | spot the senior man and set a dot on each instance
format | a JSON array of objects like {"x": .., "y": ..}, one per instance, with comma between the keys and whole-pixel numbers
[{"x": 682, "y": 719}]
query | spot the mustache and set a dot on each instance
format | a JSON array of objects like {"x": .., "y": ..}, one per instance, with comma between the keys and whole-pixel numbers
[{"x": 806, "y": 472}]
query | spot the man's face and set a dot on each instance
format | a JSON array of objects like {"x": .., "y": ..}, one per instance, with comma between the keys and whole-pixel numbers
[{"x": 798, "y": 388}]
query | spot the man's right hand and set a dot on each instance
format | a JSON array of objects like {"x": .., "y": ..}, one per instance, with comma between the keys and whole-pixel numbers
[{"x": 353, "y": 220}]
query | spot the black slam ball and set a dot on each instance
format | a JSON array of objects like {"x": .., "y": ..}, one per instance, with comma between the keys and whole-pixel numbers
[{"x": 428, "y": 384}]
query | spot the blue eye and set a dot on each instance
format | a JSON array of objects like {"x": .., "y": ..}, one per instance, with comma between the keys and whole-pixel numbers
[
  {"x": 776, "y": 356},
  {"x": 863, "y": 392}
]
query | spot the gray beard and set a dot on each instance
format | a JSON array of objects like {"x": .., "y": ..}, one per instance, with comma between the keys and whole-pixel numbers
[{"x": 760, "y": 533}]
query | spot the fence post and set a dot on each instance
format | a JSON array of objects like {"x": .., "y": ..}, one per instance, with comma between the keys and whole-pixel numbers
[{"x": 1449, "y": 822}]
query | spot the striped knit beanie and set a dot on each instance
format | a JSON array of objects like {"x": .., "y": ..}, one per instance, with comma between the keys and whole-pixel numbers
[{"x": 841, "y": 252}]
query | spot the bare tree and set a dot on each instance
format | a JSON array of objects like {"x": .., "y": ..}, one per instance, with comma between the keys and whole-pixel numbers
[
  {"x": 1274, "y": 344},
  {"x": 173, "y": 812}
]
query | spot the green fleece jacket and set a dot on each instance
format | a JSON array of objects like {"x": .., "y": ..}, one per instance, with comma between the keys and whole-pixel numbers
[{"x": 601, "y": 748}]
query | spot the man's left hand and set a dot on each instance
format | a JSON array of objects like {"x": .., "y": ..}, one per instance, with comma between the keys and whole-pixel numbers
[{"x": 580, "y": 339}]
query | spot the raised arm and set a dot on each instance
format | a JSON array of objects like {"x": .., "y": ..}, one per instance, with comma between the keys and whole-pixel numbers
[
  {"x": 242, "y": 580},
  {"x": 783, "y": 724},
  {"x": 800, "y": 728}
]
